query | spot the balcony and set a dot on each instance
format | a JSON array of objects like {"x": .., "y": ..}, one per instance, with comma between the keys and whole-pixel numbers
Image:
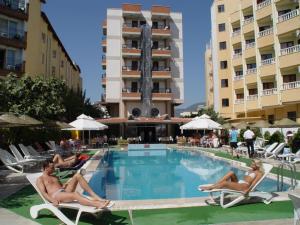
[
  {"x": 250, "y": 51},
  {"x": 104, "y": 42},
  {"x": 236, "y": 37},
  {"x": 15, "y": 9},
  {"x": 267, "y": 61},
  {"x": 129, "y": 94},
  {"x": 251, "y": 78},
  {"x": 264, "y": 9},
  {"x": 131, "y": 72},
  {"x": 288, "y": 22},
  {"x": 290, "y": 92},
  {"x": 160, "y": 11},
  {"x": 238, "y": 82},
  {"x": 103, "y": 62},
  {"x": 161, "y": 31},
  {"x": 162, "y": 94},
  {"x": 246, "y": 4},
  {"x": 239, "y": 105},
  {"x": 252, "y": 102},
  {"x": 131, "y": 9},
  {"x": 103, "y": 81},
  {"x": 251, "y": 71},
  {"x": 18, "y": 69},
  {"x": 237, "y": 59},
  {"x": 129, "y": 31},
  {"x": 265, "y": 38},
  {"x": 269, "y": 97},
  {"x": 268, "y": 67},
  {"x": 289, "y": 56},
  {"x": 162, "y": 52},
  {"x": 131, "y": 51},
  {"x": 248, "y": 25},
  {"x": 161, "y": 72},
  {"x": 15, "y": 39},
  {"x": 103, "y": 98}
]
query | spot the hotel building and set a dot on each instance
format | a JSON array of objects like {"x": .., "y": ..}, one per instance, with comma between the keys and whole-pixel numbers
[
  {"x": 256, "y": 58},
  {"x": 122, "y": 63},
  {"x": 209, "y": 84},
  {"x": 29, "y": 44}
]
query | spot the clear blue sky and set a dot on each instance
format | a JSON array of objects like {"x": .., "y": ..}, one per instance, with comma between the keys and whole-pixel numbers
[{"x": 78, "y": 24}]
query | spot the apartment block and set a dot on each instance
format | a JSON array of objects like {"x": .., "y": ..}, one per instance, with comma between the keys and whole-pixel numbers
[
  {"x": 122, "y": 60},
  {"x": 29, "y": 44},
  {"x": 256, "y": 58},
  {"x": 209, "y": 82}
]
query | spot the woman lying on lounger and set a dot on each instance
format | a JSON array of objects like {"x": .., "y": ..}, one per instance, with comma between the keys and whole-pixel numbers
[
  {"x": 230, "y": 180},
  {"x": 71, "y": 161}
]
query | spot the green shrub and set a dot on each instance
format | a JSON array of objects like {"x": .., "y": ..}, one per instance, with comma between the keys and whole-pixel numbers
[
  {"x": 295, "y": 143},
  {"x": 241, "y": 136},
  {"x": 267, "y": 135},
  {"x": 276, "y": 137}
]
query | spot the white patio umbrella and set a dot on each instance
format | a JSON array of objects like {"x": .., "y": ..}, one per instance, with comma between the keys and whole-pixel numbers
[
  {"x": 84, "y": 122},
  {"x": 201, "y": 123}
]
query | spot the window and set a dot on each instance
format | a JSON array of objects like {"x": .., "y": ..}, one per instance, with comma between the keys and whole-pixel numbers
[
  {"x": 221, "y": 27},
  {"x": 266, "y": 56},
  {"x": 221, "y": 8},
  {"x": 251, "y": 65},
  {"x": 222, "y": 45},
  {"x": 2, "y": 58},
  {"x": 288, "y": 44},
  {"x": 223, "y": 64},
  {"x": 289, "y": 78},
  {"x": 53, "y": 54},
  {"x": 271, "y": 119},
  {"x": 143, "y": 22},
  {"x": 240, "y": 96},
  {"x": 10, "y": 58},
  {"x": 62, "y": 63},
  {"x": 43, "y": 58},
  {"x": 155, "y": 25},
  {"x": 252, "y": 91},
  {"x": 53, "y": 71},
  {"x": 155, "y": 45},
  {"x": 224, "y": 83},
  {"x": 268, "y": 85},
  {"x": 135, "y": 23},
  {"x": 155, "y": 87},
  {"x": 292, "y": 115},
  {"x": 134, "y": 65},
  {"x": 225, "y": 102},
  {"x": 134, "y": 86},
  {"x": 44, "y": 37}
]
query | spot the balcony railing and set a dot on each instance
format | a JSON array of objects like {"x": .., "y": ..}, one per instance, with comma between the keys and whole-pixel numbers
[
  {"x": 161, "y": 68},
  {"x": 268, "y": 61},
  {"x": 129, "y": 46},
  {"x": 291, "y": 85},
  {"x": 162, "y": 48},
  {"x": 15, "y": 35},
  {"x": 163, "y": 27},
  {"x": 250, "y": 45},
  {"x": 161, "y": 90},
  {"x": 130, "y": 90},
  {"x": 239, "y": 77},
  {"x": 239, "y": 101},
  {"x": 263, "y": 4},
  {"x": 252, "y": 97},
  {"x": 265, "y": 32},
  {"x": 250, "y": 71},
  {"x": 14, "y": 4},
  {"x": 237, "y": 55},
  {"x": 288, "y": 15},
  {"x": 130, "y": 68},
  {"x": 129, "y": 25},
  {"x": 290, "y": 50},
  {"x": 18, "y": 67},
  {"x": 236, "y": 33},
  {"x": 271, "y": 91},
  {"x": 248, "y": 20}
]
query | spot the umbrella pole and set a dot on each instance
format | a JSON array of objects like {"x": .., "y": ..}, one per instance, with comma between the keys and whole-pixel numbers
[
  {"x": 83, "y": 137},
  {"x": 89, "y": 137}
]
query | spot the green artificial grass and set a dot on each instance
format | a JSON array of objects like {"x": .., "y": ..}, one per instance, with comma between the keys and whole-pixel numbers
[{"x": 21, "y": 202}]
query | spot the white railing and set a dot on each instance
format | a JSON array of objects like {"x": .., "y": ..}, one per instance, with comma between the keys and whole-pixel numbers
[
  {"x": 271, "y": 91},
  {"x": 263, "y": 4},
  {"x": 288, "y": 16},
  {"x": 250, "y": 71},
  {"x": 248, "y": 20},
  {"x": 237, "y": 55},
  {"x": 290, "y": 50},
  {"x": 239, "y": 77},
  {"x": 265, "y": 32},
  {"x": 239, "y": 101},
  {"x": 252, "y": 97},
  {"x": 267, "y": 61},
  {"x": 250, "y": 45},
  {"x": 236, "y": 33},
  {"x": 291, "y": 85}
]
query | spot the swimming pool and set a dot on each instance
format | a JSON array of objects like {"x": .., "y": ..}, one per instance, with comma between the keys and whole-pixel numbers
[{"x": 162, "y": 174}]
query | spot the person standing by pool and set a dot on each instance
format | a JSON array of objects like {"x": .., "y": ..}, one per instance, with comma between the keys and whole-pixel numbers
[
  {"x": 249, "y": 138},
  {"x": 233, "y": 137}
]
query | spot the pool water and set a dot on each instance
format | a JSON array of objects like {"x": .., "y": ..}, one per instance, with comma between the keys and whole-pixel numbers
[{"x": 161, "y": 175}]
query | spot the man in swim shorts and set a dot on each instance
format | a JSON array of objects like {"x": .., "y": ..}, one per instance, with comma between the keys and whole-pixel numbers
[{"x": 54, "y": 191}]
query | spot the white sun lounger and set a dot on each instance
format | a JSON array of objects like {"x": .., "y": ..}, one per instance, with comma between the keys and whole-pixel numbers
[
  {"x": 31, "y": 153},
  {"x": 275, "y": 152},
  {"x": 266, "y": 151},
  {"x": 239, "y": 196},
  {"x": 19, "y": 156},
  {"x": 11, "y": 163},
  {"x": 34, "y": 210}
]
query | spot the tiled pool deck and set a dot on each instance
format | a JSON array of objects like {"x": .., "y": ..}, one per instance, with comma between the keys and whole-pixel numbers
[{"x": 7, "y": 216}]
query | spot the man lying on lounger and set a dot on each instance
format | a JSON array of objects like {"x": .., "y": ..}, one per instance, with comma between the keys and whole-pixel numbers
[
  {"x": 230, "y": 180},
  {"x": 71, "y": 161},
  {"x": 54, "y": 191}
]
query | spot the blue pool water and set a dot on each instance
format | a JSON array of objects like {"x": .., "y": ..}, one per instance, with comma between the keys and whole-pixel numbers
[{"x": 160, "y": 175}]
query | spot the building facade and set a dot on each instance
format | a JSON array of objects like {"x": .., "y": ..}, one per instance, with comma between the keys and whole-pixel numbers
[
  {"x": 122, "y": 61},
  {"x": 256, "y": 58},
  {"x": 209, "y": 82},
  {"x": 29, "y": 44}
]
